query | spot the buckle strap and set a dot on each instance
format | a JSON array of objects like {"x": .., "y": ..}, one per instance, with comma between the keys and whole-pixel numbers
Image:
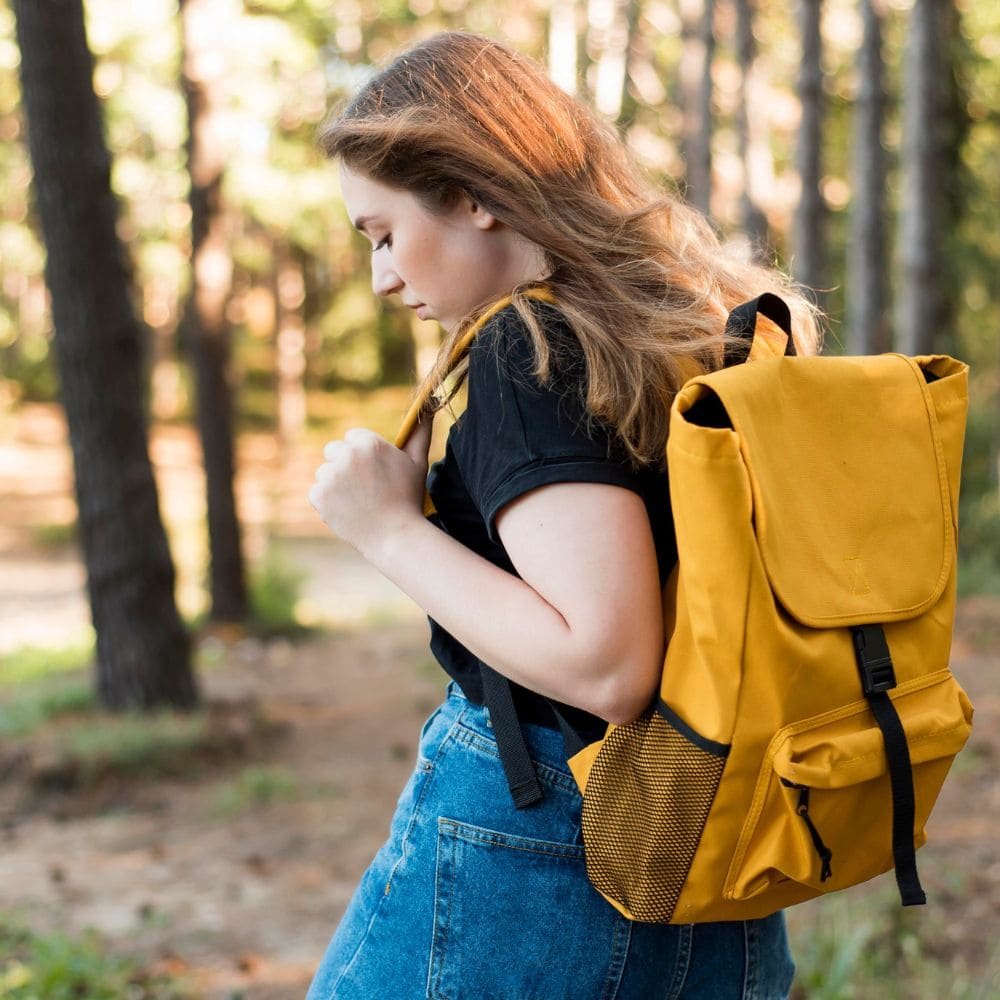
[
  {"x": 877, "y": 678},
  {"x": 522, "y": 779}
]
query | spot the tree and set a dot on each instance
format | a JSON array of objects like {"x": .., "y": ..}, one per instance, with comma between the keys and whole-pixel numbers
[
  {"x": 809, "y": 227},
  {"x": 142, "y": 648},
  {"x": 698, "y": 34},
  {"x": 205, "y": 329},
  {"x": 867, "y": 326},
  {"x": 753, "y": 220},
  {"x": 922, "y": 303}
]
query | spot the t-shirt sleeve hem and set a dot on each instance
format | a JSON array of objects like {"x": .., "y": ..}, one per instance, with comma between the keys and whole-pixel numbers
[{"x": 544, "y": 473}]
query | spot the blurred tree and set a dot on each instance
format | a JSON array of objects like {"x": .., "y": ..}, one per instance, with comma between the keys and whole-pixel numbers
[
  {"x": 142, "y": 647},
  {"x": 697, "y": 18},
  {"x": 867, "y": 321},
  {"x": 809, "y": 255},
  {"x": 923, "y": 304},
  {"x": 204, "y": 327},
  {"x": 753, "y": 221}
]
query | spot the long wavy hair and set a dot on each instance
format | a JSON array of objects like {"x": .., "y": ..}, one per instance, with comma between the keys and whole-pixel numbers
[{"x": 641, "y": 277}]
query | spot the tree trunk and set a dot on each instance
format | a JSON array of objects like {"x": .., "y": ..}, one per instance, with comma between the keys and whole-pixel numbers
[
  {"x": 697, "y": 20},
  {"x": 921, "y": 305},
  {"x": 867, "y": 325},
  {"x": 205, "y": 327},
  {"x": 752, "y": 219},
  {"x": 142, "y": 648},
  {"x": 809, "y": 227}
]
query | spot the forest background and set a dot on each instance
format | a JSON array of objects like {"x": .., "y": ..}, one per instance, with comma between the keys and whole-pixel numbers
[{"x": 854, "y": 143}]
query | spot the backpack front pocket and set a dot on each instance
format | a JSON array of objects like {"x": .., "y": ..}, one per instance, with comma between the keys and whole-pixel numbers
[{"x": 822, "y": 809}]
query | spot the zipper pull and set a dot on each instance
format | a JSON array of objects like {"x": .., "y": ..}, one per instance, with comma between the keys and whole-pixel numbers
[{"x": 824, "y": 852}]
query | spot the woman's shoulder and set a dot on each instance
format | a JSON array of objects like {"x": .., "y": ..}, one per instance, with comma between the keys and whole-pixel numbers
[{"x": 507, "y": 342}]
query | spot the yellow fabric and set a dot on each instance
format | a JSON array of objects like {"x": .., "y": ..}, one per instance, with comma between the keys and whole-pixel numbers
[
  {"x": 831, "y": 501},
  {"x": 419, "y": 405}
]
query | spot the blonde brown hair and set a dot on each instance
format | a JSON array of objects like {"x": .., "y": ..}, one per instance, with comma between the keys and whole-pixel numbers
[{"x": 641, "y": 277}]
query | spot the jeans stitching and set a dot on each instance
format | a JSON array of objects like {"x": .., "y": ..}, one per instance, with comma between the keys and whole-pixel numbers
[
  {"x": 749, "y": 959},
  {"x": 403, "y": 841},
  {"x": 619, "y": 956},
  {"x": 682, "y": 963},
  {"x": 549, "y": 774}
]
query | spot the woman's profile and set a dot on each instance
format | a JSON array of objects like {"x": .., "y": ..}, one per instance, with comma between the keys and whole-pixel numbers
[{"x": 477, "y": 180}]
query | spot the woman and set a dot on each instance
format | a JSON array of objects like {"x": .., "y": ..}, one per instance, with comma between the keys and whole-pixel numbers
[{"x": 475, "y": 178}]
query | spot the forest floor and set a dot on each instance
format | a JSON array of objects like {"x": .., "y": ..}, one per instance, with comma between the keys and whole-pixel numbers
[{"x": 232, "y": 870}]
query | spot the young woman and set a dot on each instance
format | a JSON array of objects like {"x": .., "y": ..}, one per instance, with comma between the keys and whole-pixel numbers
[{"x": 475, "y": 178}]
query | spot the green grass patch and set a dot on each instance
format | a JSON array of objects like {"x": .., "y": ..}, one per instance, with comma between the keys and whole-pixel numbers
[
  {"x": 57, "y": 967},
  {"x": 25, "y": 711},
  {"x": 256, "y": 786},
  {"x": 53, "y": 536},
  {"x": 275, "y": 592},
  {"x": 30, "y": 663},
  {"x": 857, "y": 945}
]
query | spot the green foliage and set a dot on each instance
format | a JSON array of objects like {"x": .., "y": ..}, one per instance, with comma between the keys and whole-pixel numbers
[
  {"x": 256, "y": 786},
  {"x": 25, "y": 711},
  {"x": 862, "y": 944},
  {"x": 56, "y": 967},
  {"x": 275, "y": 591},
  {"x": 29, "y": 663}
]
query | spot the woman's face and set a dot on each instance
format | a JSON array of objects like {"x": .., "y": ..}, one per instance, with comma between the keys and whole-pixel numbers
[{"x": 443, "y": 266}]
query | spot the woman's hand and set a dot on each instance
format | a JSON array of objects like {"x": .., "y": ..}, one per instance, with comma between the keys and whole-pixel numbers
[{"x": 367, "y": 489}]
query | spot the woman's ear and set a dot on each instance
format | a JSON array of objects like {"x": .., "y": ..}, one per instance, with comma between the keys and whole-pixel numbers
[{"x": 480, "y": 217}]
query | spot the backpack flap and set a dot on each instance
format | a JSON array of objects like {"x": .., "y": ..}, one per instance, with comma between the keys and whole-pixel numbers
[{"x": 852, "y": 498}]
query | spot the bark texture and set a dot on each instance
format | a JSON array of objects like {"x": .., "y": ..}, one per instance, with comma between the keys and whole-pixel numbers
[
  {"x": 205, "y": 328},
  {"x": 809, "y": 255},
  {"x": 867, "y": 323},
  {"x": 142, "y": 647}
]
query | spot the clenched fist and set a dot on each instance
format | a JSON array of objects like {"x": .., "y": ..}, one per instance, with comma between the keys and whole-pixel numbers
[{"x": 366, "y": 488}]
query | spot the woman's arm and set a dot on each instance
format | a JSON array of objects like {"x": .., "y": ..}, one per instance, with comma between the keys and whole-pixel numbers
[{"x": 584, "y": 623}]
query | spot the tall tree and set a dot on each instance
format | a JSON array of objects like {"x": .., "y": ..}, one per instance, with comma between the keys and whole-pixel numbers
[
  {"x": 697, "y": 31},
  {"x": 142, "y": 648},
  {"x": 922, "y": 301},
  {"x": 753, "y": 220},
  {"x": 809, "y": 257},
  {"x": 867, "y": 324},
  {"x": 205, "y": 329}
]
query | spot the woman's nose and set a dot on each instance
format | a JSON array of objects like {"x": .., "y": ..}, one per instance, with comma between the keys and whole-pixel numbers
[{"x": 385, "y": 280}]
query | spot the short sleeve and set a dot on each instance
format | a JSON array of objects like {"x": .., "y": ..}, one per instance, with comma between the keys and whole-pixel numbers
[{"x": 518, "y": 433}]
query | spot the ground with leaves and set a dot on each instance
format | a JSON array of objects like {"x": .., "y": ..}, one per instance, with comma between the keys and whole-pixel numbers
[{"x": 222, "y": 848}]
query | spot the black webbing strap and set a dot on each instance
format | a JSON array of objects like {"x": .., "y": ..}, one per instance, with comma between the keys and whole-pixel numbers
[
  {"x": 877, "y": 677},
  {"x": 742, "y": 323},
  {"x": 525, "y": 788}
]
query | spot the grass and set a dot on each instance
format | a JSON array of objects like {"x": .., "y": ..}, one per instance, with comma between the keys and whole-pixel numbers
[
  {"x": 56, "y": 967},
  {"x": 30, "y": 663},
  {"x": 25, "y": 711},
  {"x": 256, "y": 786},
  {"x": 863, "y": 945}
]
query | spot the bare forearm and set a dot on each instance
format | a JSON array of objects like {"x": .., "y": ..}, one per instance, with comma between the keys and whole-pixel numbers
[{"x": 496, "y": 615}]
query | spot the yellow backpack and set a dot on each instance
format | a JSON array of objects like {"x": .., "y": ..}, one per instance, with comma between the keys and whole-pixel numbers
[{"x": 806, "y": 716}]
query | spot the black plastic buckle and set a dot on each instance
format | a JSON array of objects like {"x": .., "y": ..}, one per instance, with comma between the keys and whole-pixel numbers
[{"x": 874, "y": 662}]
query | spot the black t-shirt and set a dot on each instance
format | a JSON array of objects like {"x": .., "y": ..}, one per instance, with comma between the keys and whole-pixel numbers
[{"x": 517, "y": 434}]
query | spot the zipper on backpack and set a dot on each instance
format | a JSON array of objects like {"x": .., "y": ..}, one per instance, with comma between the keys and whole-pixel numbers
[{"x": 802, "y": 809}]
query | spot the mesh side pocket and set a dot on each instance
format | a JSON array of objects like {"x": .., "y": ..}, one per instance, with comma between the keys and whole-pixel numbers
[{"x": 645, "y": 806}]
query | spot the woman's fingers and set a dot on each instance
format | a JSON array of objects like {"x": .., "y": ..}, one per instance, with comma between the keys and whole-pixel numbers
[{"x": 419, "y": 442}]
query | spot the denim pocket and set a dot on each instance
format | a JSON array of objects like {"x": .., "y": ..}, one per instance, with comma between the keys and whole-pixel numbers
[{"x": 516, "y": 919}]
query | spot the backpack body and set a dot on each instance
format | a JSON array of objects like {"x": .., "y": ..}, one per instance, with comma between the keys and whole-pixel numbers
[{"x": 815, "y": 501}]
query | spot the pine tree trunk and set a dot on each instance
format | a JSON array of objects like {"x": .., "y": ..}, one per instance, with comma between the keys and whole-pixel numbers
[
  {"x": 809, "y": 227},
  {"x": 143, "y": 656},
  {"x": 205, "y": 327},
  {"x": 697, "y": 30},
  {"x": 921, "y": 302},
  {"x": 867, "y": 324},
  {"x": 753, "y": 220}
]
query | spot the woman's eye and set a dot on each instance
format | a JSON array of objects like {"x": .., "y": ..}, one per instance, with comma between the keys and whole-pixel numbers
[{"x": 386, "y": 241}]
